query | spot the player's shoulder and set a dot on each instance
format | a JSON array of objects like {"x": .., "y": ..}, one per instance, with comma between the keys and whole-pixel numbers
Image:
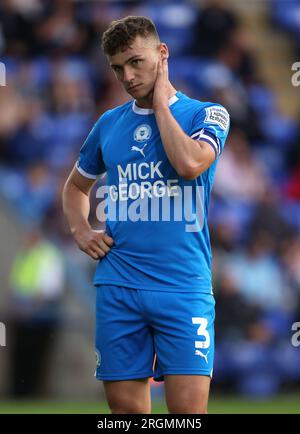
[
  {"x": 210, "y": 113},
  {"x": 198, "y": 105},
  {"x": 205, "y": 114},
  {"x": 212, "y": 109},
  {"x": 116, "y": 112}
]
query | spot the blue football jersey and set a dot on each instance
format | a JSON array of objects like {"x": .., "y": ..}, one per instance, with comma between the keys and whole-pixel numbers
[{"x": 157, "y": 219}]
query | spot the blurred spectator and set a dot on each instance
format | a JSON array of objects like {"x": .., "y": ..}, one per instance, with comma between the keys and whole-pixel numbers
[
  {"x": 30, "y": 191},
  {"x": 235, "y": 318},
  {"x": 214, "y": 28},
  {"x": 16, "y": 32},
  {"x": 267, "y": 218},
  {"x": 290, "y": 258},
  {"x": 257, "y": 275},
  {"x": 292, "y": 184},
  {"x": 37, "y": 282},
  {"x": 218, "y": 34},
  {"x": 240, "y": 177}
]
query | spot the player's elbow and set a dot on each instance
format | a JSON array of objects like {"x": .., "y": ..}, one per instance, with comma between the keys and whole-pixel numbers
[
  {"x": 187, "y": 175},
  {"x": 192, "y": 166},
  {"x": 189, "y": 171}
]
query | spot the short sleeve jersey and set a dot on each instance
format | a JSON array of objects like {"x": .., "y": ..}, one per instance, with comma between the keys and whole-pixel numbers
[{"x": 158, "y": 220}]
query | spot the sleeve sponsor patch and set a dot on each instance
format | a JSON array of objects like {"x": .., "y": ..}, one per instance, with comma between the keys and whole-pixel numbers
[{"x": 217, "y": 115}]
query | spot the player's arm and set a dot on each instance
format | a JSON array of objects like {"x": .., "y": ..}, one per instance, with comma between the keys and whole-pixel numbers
[
  {"x": 189, "y": 157},
  {"x": 76, "y": 206}
]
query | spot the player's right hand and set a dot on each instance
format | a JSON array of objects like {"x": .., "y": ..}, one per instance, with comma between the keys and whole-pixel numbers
[{"x": 94, "y": 243}]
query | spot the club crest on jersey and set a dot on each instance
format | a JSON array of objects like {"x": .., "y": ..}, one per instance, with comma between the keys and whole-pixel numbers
[{"x": 142, "y": 133}]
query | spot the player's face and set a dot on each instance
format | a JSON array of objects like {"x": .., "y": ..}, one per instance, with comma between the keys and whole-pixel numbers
[{"x": 136, "y": 67}]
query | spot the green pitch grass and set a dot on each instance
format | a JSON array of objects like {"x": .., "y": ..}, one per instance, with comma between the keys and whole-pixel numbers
[{"x": 230, "y": 405}]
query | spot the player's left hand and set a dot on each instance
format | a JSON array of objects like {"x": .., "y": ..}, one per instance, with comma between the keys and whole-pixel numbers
[{"x": 160, "y": 91}]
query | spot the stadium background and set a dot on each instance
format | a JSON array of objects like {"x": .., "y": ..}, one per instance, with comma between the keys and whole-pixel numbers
[{"x": 238, "y": 53}]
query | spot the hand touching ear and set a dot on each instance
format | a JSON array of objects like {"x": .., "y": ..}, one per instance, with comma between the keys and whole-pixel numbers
[{"x": 161, "y": 87}]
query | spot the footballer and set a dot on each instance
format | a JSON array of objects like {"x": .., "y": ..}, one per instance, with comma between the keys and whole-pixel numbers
[{"x": 154, "y": 298}]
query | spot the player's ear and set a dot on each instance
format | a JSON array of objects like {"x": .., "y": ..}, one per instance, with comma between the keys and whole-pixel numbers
[
  {"x": 164, "y": 56},
  {"x": 164, "y": 51}
]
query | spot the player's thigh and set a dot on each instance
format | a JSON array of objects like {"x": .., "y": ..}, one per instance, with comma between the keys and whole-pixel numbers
[
  {"x": 187, "y": 393},
  {"x": 184, "y": 334},
  {"x": 124, "y": 342},
  {"x": 130, "y": 396}
]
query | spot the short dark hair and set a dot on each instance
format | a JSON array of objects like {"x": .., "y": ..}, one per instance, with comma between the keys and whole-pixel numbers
[{"x": 121, "y": 33}]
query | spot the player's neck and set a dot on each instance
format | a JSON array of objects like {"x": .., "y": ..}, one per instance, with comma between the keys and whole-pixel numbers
[{"x": 146, "y": 102}]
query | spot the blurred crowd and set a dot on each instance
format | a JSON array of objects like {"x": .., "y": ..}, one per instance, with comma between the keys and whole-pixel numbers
[{"x": 58, "y": 84}]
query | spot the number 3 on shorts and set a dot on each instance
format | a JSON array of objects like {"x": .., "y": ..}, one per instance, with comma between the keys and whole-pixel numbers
[{"x": 202, "y": 332}]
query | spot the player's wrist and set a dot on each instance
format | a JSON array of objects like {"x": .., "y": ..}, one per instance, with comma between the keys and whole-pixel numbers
[
  {"x": 161, "y": 108},
  {"x": 80, "y": 229}
]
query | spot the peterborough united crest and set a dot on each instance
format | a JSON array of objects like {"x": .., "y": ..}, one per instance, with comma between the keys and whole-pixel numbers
[{"x": 142, "y": 133}]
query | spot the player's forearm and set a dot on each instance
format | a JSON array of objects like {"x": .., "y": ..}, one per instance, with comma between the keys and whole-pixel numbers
[
  {"x": 182, "y": 153},
  {"x": 76, "y": 207}
]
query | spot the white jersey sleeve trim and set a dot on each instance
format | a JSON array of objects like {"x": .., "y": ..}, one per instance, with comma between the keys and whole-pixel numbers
[{"x": 84, "y": 173}]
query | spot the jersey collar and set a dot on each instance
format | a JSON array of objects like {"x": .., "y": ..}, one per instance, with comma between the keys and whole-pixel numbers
[{"x": 147, "y": 111}]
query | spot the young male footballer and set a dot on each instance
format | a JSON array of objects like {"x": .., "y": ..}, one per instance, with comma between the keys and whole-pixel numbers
[{"x": 154, "y": 299}]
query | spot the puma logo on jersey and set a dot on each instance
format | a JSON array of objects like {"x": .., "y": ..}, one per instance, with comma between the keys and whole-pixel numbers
[
  {"x": 141, "y": 150},
  {"x": 199, "y": 353}
]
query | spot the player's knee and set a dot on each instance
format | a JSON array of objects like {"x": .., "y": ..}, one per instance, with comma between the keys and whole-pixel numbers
[
  {"x": 128, "y": 405},
  {"x": 187, "y": 409},
  {"x": 187, "y": 404}
]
